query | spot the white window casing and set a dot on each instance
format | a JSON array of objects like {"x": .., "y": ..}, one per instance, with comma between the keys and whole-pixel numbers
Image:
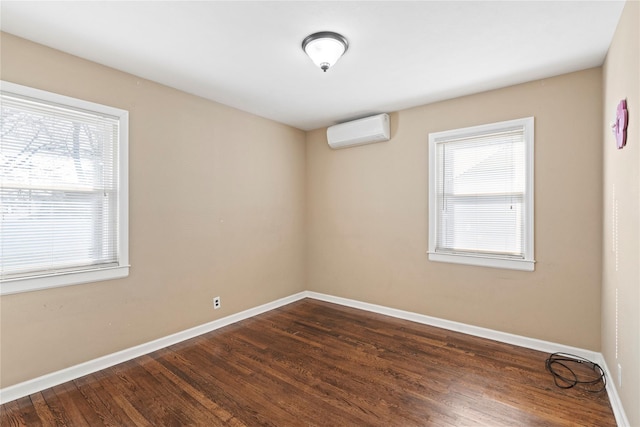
[
  {"x": 64, "y": 190},
  {"x": 481, "y": 195}
]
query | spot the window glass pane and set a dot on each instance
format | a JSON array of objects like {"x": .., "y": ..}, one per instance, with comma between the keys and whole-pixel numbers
[
  {"x": 59, "y": 188},
  {"x": 488, "y": 224},
  {"x": 482, "y": 184}
]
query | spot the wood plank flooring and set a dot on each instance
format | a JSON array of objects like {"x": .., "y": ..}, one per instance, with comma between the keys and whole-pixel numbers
[{"x": 312, "y": 363}]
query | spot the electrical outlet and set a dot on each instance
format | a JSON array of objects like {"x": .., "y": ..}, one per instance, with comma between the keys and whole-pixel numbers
[
  {"x": 619, "y": 375},
  {"x": 216, "y": 303}
]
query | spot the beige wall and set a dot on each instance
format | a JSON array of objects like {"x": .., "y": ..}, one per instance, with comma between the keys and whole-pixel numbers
[
  {"x": 367, "y": 217},
  {"x": 217, "y": 208},
  {"x": 621, "y": 261}
]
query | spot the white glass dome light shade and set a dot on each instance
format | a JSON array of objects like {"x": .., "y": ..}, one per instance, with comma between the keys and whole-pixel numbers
[{"x": 325, "y": 48}]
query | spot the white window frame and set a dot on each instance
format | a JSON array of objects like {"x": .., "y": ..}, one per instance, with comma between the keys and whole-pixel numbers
[
  {"x": 39, "y": 282},
  {"x": 481, "y": 259}
]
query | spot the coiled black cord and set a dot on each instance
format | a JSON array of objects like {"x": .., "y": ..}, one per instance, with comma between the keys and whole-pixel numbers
[{"x": 558, "y": 364}]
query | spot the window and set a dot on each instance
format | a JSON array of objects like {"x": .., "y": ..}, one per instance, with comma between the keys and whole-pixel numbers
[
  {"x": 63, "y": 190},
  {"x": 481, "y": 195}
]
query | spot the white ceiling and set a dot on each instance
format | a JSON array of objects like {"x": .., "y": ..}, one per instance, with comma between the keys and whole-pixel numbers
[{"x": 248, "y": 54}]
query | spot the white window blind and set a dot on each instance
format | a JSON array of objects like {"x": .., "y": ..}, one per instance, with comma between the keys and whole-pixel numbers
[
  {"x": 481, "y": 195},
  {"x": 61, "y": 189}
]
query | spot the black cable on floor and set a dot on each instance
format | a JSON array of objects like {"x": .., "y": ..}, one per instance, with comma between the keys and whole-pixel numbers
[{"x": 559, "y": 365}]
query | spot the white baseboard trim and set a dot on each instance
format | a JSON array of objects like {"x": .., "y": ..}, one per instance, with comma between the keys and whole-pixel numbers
[
  {"x": 521, "y": 341},
  {"x": 612, "y": 392},
  {"x": 35, "y": 385}
]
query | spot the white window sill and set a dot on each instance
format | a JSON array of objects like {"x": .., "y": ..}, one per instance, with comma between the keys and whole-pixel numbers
[
  {"x": 511, "y": 264},
  {"x": 14, "y": 286}
]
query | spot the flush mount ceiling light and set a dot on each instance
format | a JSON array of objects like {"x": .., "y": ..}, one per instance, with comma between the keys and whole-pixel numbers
[{"x": 325, "y": 48}]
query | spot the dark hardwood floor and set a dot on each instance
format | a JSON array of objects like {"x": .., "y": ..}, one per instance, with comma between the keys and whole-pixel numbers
[{"x": 312, "y": 363}]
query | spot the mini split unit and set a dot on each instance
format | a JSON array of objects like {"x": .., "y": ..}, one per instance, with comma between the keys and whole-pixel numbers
[{"x": 358, "y": 132}]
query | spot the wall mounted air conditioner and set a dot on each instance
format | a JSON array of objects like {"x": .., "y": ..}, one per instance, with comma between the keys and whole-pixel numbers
[{"x": 358, "y": 132}]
